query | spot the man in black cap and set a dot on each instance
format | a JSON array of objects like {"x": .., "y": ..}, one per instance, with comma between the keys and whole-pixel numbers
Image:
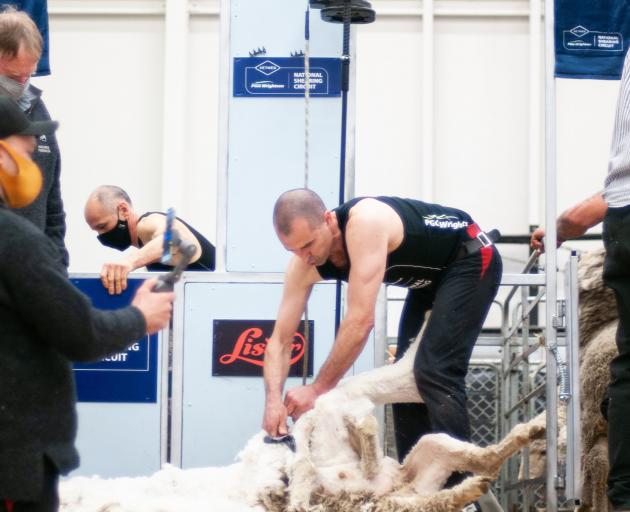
[{"x": 45, "y": 323}]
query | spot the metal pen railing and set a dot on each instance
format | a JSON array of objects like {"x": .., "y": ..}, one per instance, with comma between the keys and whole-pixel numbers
[
  {"x": 525, "y": 353},
  {"x": 520, "y": 392}
]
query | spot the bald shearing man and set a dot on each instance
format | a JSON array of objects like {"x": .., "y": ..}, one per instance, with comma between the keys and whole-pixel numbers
[{"x": 109, "y": 211}]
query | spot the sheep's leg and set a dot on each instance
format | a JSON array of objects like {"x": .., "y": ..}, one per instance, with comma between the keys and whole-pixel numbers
[
  {"x": 301, "y": 485},
  {"x": 392, "y": 383},
  {"x": 436, "y": 456},
  {"x": 303, "y": 477},
  {"x": 446, "y": 500},
  {"x": 487, "y": 461},
  {"x": 363, "y": 439},
  {"x": 599, "y": 475},
  {"x": 587, "y": 492},
  {"x": 430, "y": 462}
]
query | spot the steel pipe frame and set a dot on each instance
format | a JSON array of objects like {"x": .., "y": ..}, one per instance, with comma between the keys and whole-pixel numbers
[
  {"x": 574, "y": 425},
  {"x": 551, "y": 259}
]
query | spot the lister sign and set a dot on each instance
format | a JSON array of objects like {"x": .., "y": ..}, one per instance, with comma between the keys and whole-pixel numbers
[{"x": 238, "y": 348}]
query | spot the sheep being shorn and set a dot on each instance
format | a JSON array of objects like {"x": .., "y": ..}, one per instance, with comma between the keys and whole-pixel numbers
[{"x": 338, "y": 465}]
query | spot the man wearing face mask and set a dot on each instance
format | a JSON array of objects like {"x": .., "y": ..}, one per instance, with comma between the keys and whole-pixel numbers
[
  {"x": 20, "y": 50},
  {"x": 45, "y": 323},
  {"x": 110, "y": 213}
]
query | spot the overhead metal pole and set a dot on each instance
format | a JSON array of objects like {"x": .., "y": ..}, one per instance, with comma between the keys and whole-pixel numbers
[
  {"x": 345, "y": 86},
  {"x": 345, "y": 81},
  {"x": 553, "y": 482}
]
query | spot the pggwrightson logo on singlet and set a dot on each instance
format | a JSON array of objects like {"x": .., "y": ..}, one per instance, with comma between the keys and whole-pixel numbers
[{"x": 444, "y": 222}]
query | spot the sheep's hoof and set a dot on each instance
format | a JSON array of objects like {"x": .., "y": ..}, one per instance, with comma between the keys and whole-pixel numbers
[
  {"x": 484, "y": 484},
  {"x": 479, "y": 482},
  {"x": 537, "y": 431}
]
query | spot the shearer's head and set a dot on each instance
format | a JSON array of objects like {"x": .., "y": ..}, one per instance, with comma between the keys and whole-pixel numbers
[
  {"x": 109, "y": 212},
  {"x": 304, "y": 226},
  {"x": 20, "y": 178}
]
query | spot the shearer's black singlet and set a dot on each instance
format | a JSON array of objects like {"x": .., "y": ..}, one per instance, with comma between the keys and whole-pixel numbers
[
  {"x": 431, "y": 240},
  {"x": 205, "y": 262}
]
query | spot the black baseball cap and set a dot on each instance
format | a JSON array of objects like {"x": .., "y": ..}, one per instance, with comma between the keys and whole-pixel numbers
[{"x": 14, "y": 122}]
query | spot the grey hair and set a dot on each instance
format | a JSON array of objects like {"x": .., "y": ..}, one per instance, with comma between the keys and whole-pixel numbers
[{"x": 298, "y": 203}]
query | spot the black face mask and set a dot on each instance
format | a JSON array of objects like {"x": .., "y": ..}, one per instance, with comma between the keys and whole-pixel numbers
[{"x": 118, "y": 237}]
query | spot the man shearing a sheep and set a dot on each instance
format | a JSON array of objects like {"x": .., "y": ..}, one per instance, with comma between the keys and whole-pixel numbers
[{"x": 448, "y": 265}]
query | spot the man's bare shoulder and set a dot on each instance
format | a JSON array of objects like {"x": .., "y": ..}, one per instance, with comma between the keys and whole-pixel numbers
[
  {"x": 371, "y": 223},
  {"x": 153, "y": 218},
  {"x": 370, "y": 211},
  {"x": 151, "y": 225}
]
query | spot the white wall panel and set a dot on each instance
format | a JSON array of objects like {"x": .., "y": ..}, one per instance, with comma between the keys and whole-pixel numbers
[
  {"x": 106, "y": 91},
  {"x": 200, "y": 194},
  {"x": 585, "y": 114},
  {"x": 481, "y": 152},
  {"x": 389, "y": 107}
]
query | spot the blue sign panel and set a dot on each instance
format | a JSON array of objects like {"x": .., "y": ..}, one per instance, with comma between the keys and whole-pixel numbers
[
  {"x": 591, "y": 38},
  {"x": 285, "y": 76},
  {"x": 580, "y": 38},
  {"x": 129, "y": 376}
]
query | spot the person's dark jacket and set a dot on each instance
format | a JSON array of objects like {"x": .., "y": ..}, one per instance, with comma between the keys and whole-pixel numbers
[
  {"x": 45, "y": 323},
  {"x": 47, "y": 212}
]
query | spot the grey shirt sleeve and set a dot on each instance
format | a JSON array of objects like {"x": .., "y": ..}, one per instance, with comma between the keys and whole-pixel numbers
[
  {"x": 617, "y": 184},
  {"x": 57, "y": 312}
]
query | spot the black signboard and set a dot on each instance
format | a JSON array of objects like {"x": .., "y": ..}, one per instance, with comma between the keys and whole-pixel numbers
[{"x": 238, "y": 348}]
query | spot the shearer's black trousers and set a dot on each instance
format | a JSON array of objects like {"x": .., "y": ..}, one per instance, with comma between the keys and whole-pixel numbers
[
  {"x": 617, "y": 277},
  {"x": 458, "y": 307}
]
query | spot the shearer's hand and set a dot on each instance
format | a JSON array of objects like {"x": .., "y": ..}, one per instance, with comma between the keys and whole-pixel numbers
[
  {"x": 156, "y": 307},
  {"x": 114, "y": 276},
  {"x": 275, "y": 419},
  {"x": 536, "y": 241},
  {"x": 300, "y": 400},
  {"x": 538, "y": 244}
]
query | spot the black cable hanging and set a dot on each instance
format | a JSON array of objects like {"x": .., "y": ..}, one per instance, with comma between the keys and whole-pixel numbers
[{"x": 346, "y": 12}]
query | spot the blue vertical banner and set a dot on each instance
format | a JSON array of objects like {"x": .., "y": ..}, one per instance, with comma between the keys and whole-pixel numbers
[
  {"x": 38, "y": 11},
  {"x": 127, "y": 377},
  {"x": 591, "y": 38}
]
